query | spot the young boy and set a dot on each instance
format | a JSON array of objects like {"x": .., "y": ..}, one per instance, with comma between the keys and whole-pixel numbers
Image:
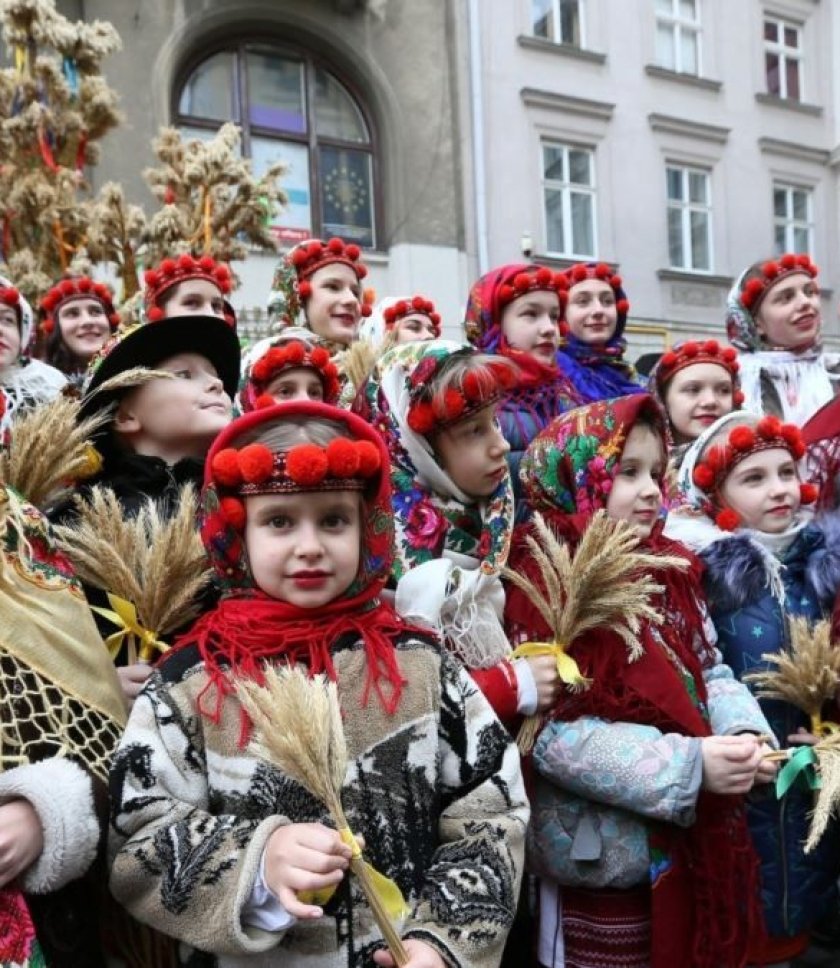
[{"x": 213, "y": 845}]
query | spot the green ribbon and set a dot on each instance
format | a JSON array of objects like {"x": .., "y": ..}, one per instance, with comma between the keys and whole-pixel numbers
[{"x": 803, "y": 761}]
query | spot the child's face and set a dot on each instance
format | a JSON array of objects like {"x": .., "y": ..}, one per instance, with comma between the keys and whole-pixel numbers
[
  {"x": 194, "y": 297},
  {"x": 335, "y": 306},
  {"x": 531, "y": 323},
  {"x": 416, "y": 328},
  {"x": 695, "y": 397},
  {"x": 173, "y": 419},
  {"x": 304, "y": 549},
  {"x": 636, "y": 493},
  {"x": 84, "y": 326},
  {"x": 590, "y": 312},
  {"x": 789, "y": 316},
  {"x": 764, "y": 491},
  {"x": 472, "y": 452},
  {"x": 9, "y": 336},
  {"x": 298, "y": 383}
]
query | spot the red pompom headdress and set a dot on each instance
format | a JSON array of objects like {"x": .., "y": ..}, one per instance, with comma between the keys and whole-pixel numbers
[
  {"x": 80, "y": 287},
  {"x": 742, "y": 442},
  {"x": 11, "y": 297},
  {"x": 582, "y": 271},
  {"x": 691, "y": 352},
  {"x": 411, "y": 307},
  {"x": 172, "y": 271},
  {"x": 289, "y": 355},
  {"x": 533, "y": 280},
  {"x": 755, "y": 289}
]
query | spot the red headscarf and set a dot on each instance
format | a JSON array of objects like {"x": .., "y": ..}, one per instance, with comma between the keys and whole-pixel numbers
[{"x": 705, "y": 893}]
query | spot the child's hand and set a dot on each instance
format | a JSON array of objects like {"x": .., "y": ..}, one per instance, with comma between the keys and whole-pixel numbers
[
  {"x": 132, "y": 679},
  {"x": 21, "y": 839},
  {"x": 730, "y": 763},
  {"x": 546, "y": 679},
  {"x": 803, "y": 738},
  {"x": 767, "y": 769},
  {"x": 304, "y": 857},
  {"x": 420, "y": 955}
]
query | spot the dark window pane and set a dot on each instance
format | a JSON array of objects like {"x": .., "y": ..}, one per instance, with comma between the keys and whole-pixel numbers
[
  {"x": 771, "y": 62},
  {"x": 801, "y": 240},
  {"x": 570, "y": 22},
  {"x": 698, "y": 185},
  {"x": 800, "y": 206},
  {"x": 675, "y": 240},
  {"x": 700, "y": 255},
  {"x": 779, "y": 202},
  {"x": 675, "y": 184},
  {"x": 771, "y": 31},
  {"x": 779, "y": 240},
  {"x": 275, "y": 88},
  {"x": 554, "y": 221},
  {"x": 579, "y": 169},
  {"x": 209, "y": 91},
  {"x": 336, "y": 114},
  {"x": 553, "y": 162},
  {"x": 346, "y": 195},
  {"x": 791, "y": 37},
  {"x": 583, "y": 229},
  {"x": 541, "y": 17},
  {"x": 792, "y": 79}
]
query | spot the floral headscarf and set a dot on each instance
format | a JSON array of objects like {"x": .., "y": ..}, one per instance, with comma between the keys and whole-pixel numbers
[
  {"x": 431, "y": 513},
  {"x": 570, "y": 466}
]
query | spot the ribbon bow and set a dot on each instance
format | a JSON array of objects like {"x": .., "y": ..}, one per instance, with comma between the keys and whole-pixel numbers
[
  {"x": 124, "y": 615},
  {"x": 803, "y": 761},
  {"x": 567, "y": 668}
]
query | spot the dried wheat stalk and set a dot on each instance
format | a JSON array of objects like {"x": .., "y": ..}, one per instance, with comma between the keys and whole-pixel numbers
[
  {"x": 357, "y": 362},
  {"x": 828, "y": 796},
  {"x": 158, "y": 564},
  {"x": 299, "y": 730}
]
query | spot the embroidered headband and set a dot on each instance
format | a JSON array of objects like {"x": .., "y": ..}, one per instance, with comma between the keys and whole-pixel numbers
[
  {"x": 291, "y": 355},
  {"x": 742, "y": 442},
  {"x": 690, "y": 353},
  {"x": 172, "y": 271},
  {"x": 756, "y": 288},
  {"x": 76, "y": 288},
  {"x": 582, "y": 271},
  {"x": 410, "y": 307}
]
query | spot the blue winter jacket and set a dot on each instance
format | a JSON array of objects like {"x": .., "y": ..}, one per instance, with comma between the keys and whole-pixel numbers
[{"x": 797, "y": 889}]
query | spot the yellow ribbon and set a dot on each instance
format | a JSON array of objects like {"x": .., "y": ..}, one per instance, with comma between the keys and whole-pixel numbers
[
  {"x": 124, "y": 615},
  {"x": 567, "y": 668},
  {"x": 387, "y": 890}
]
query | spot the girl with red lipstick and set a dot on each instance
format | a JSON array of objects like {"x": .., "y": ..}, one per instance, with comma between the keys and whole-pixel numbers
[
  {"x": 637, "y": 831},
  {"x": 515, "y": 311},
  {"x": 297, "y": 522},
  {"x": 774, "y": 318},
  {"x": 764, "y": 560}
]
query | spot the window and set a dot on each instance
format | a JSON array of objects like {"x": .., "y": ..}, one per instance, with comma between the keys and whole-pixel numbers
[
  {"x": 558, "y": 20},
  {"x": 291, "y": 109},
  {"x": 678, "y": 35},
  {"x": 783, "y": 58},
  {"x": 793, "y": 219},
  {"x": 569, "y": 192},
  {"x": 689, "y": 219}
]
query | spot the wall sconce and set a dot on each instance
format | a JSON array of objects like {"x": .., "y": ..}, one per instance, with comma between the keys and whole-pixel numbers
[{"x": 526, "y": 244}]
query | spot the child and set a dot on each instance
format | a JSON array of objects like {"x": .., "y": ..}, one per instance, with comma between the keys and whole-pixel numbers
[
  {"x": 764, "y": 561},
  {"x": 592, "y": 351},
  {"x": 775, "y": 320},
  {"x": 288, "y": 367},
  {"x": 24, "y": 382},
  {"x": 188, "y": 286},
  {"x": 637, "y": 826},
  {"x": 62, "y": 716},
  {"x": 77, "y": 316},
  {"x": 435, "y": 405},
  {"x": 515, "y": 311},
  {"x": 404, "y": 319},
  {"x": 211, "y": 843},
  {"x": 695, "y": 383}
]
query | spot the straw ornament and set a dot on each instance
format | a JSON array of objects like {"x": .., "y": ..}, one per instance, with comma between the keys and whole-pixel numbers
[
  {"x": 298, "y": 729},
  {"x": 603, "y": 584}
]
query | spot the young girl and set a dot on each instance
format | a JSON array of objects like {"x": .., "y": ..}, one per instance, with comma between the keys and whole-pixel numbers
[
  {"x": 435, "y": 404},
  {"x": 211, "y": 843},
  {"x": 287, "y": 367},
  {"x": 695, "y": 383},
  {"x": 24, "y": 382},
  {"x": 637, "y": 825},
  {"x": 515, "y": 311},
  {"x": 592, "y": 352},
  {"x": 764, "y": 561},
  {"x": 77, "y": 316},
  {"x": 188, "y": 286},
  {"x": 402, "y": 319},
  {"x": 773, "y": 317}
]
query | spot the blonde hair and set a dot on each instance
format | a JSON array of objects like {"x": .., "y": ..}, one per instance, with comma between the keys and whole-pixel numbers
[{"x": 287, "y": 432}]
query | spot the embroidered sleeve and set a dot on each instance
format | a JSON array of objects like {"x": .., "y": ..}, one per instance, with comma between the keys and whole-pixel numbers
[{"x": 471, "y": 887}]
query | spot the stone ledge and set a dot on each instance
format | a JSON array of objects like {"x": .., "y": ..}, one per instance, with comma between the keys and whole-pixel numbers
[
  {"x": 692, "y": 80},
  {"x": 563, "y": 50},
  {"x": 788, "y": 104}
]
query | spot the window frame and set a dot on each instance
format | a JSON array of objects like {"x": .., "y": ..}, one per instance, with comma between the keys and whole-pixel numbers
[
  {"x": 789, "y": 222},
  {"x": 238, "y": 46},
  {"x": 678, "y": 24},
  {"x": 782, "y": 51},
  {"x": 686, "y": 207},
  {"x": 567, "y": 188},
  {"x": 558, "y": 21}
]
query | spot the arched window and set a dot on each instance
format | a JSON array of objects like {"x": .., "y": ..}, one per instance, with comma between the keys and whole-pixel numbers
[{"x": 294, "y": 110}]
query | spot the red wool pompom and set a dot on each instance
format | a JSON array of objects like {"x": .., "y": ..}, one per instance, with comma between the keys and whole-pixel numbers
[
  {"x": 703, "y": 476},
  {"x": 506, "y": 293},
  {"x": 742, "y": 439},
  {"x": 728, "y": 520},
  {"x": 256, "y": 462},
  {"x": 808, "y": 493},
  {"x": 167, "y": 267},
  {"x": 622, "y": 307},
  {"x": 320, "y": 357},
  {"x": 729, "y": 355},
  {"x": 690, "y": 349},
  {"x": 738, "y": 398},
  {"x": 233, "y": 511},
  {"x": 769, "y": 426},
  {"x": 370, "y": 459},
  {"x": 543, "y": 276},
  {"x": 206, "y": 263},
  {"x": 225, "y": 467},
  {"x": 353, "y": 252},
  {"x": 306, "y": 464},
  {"x": 668, "y": 360},
  {"x": 522, "y": 282},
  {"x": 299, "y": 257},
  {"x": 770, "y": 270},
  {"x": 788, "y": 261},
  {"x": 47, "y": 326},
  {"x": 602, "y": 271},
  {"x": 295, "y": 351},
  {"x": 305, "y": 289},
  {"x": 264, "y": 400},
  {"x": 579, "y": 273},
  {"x": 342, "y": 457},
  {"x": 155, "y": 314},
  {"x": 421, "y": 418},
  {"x": 450, "y": 406},
  {"x": 335, "y": 245}
]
